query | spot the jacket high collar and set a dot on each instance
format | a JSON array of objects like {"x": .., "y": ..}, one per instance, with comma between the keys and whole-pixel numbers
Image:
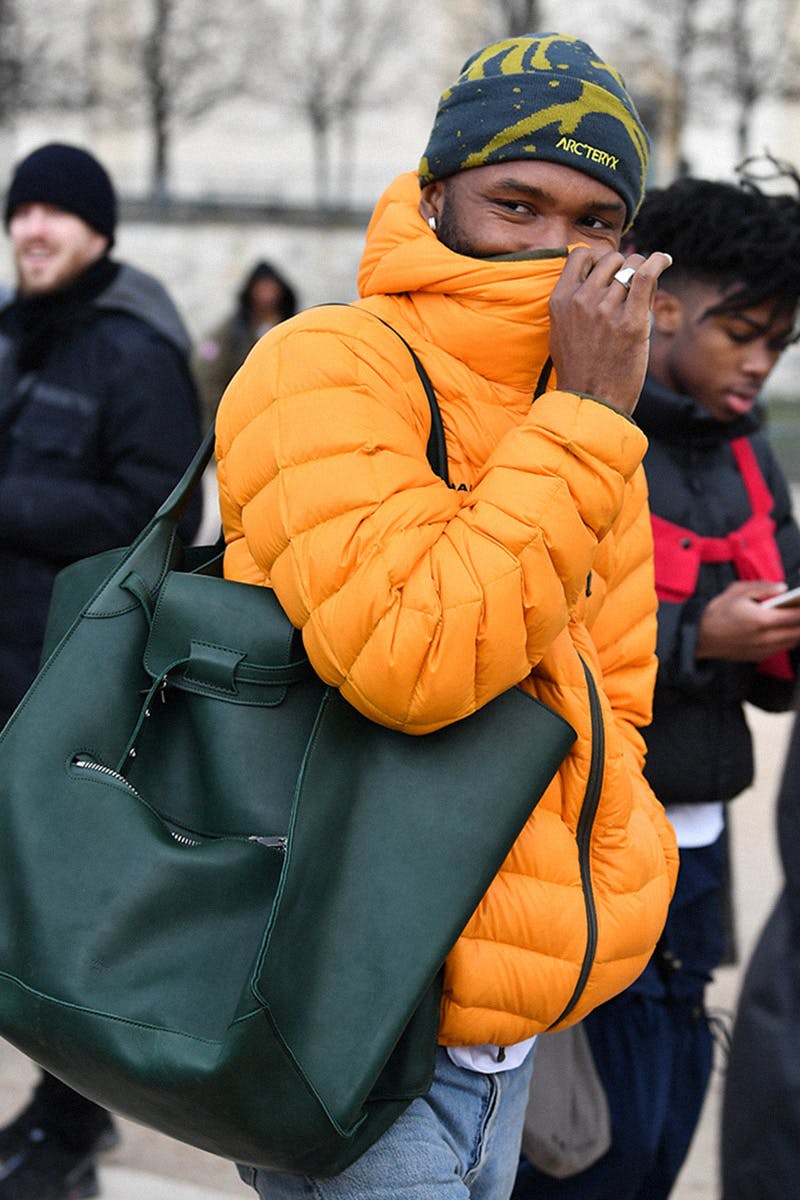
[
  {"x": 490, "y": 314},
  {"x": 672, "y": 417}
]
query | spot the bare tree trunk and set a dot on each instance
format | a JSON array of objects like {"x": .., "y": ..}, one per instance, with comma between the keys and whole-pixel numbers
[
  {"x": 743, "y": 122},
  {"x": 685, "y": 41},
  {"x": 742, "y": 76},
  {"x": 158, "y": 98},
  {"x": 347, "y": 158},
  {"x": 523, "y": 16},
  {"x": 10, "y": 62},
  {"x": 760, "y": 70},
  {"x": 321, "y": 150}
]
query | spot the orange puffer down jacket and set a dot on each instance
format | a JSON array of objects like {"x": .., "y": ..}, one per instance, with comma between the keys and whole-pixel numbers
[{"x": 423, "y": 601}]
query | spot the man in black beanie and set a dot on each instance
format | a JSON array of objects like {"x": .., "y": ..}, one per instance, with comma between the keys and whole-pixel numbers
[{"x": 98, "y": 418}]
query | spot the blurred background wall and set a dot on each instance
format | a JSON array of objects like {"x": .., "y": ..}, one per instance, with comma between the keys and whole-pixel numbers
[{"x": 267, "y": 128}]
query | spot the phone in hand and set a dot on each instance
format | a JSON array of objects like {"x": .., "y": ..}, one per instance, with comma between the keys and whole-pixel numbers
[{"x": 790, "y": 599}]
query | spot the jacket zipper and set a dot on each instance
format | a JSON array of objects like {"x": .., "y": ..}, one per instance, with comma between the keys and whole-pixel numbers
[
  {"x": 583, "y": 837},
  {"x": 181, "y": 836}
]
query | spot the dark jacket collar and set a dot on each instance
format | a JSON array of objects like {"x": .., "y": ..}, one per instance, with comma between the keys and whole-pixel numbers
[
  {"x": 671, "y": 417},
  {"x": 42, "y": 319}
]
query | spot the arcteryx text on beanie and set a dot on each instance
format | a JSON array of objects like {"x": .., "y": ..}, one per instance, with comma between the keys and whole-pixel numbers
[
  {"x": 545, "y": 96},
  {"x": 69, "y": 178}
]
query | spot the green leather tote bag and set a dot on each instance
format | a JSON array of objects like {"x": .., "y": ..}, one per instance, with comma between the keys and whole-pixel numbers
[{"x": 225, "y": 896}]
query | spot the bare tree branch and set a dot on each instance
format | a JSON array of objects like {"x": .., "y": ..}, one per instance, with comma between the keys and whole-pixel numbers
[
  {"x": 329, "y": 61},
  {"x": 191, "y": 57},
  {"x": 660, "y": 53},
  {"x": 759, "y": 60}
]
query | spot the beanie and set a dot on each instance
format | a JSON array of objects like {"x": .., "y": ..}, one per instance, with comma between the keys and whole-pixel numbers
[
  {"x": 543, "y": 96},
  {"x": 69, "y": 178}
]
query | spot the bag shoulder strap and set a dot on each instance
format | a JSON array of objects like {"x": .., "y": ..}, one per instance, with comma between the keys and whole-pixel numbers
[
  {"x": 761, "y": 500},
  {"x": 436, "y": 449}
]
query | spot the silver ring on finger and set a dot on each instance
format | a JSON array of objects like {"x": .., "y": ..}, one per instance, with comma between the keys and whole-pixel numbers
[{"x": 624, "y": 276}]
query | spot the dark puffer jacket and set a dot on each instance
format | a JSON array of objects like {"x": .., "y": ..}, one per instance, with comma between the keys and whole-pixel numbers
[
  {"x": 98, "y": 417},
  {"x": 699, "y": 744}
]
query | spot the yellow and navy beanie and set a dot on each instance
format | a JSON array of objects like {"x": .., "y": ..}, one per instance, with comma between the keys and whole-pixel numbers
[{"x": 546, "y": 96}]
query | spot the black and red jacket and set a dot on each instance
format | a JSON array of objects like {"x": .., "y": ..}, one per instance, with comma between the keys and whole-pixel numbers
[{"x": 721, "y": 511}]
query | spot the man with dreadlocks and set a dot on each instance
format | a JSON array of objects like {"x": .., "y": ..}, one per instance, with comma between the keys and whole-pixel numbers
[{"x": 724, "y": 534}]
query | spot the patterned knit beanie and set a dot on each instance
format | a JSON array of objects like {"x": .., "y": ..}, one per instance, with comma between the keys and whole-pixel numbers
[
  {"x": 69, "y": 178},
  {"x": 545, "y": 96}
]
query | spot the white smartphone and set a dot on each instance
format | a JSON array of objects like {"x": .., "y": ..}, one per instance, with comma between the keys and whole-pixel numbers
[{"x": 789, "y": 599}]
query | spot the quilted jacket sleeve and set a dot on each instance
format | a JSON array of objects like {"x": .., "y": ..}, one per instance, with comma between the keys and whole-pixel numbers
[
  {"x": 625, "y": 629},
  {"x": 625, "y": 634},
  {"x": 419, "y": 601}
]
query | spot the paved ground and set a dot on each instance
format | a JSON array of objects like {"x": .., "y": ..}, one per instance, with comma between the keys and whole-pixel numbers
[{"x": 147, "y": 1166}]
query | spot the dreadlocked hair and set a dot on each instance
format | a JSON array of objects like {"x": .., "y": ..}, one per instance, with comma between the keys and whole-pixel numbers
[{"x": 735, "y": 236}]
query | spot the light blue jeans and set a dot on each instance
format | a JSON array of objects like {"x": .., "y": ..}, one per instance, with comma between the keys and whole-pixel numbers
[{"x": 460, "y": 1142}]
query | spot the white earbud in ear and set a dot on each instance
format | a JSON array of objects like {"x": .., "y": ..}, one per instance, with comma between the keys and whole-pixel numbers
[{"x": 432, "y": 223}]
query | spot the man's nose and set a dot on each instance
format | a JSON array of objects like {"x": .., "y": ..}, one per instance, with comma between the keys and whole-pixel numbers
[
  {"x": 32, "y": 220},
  {"x": 552, "y": 232},
  {"x": 760, "y": 358}
]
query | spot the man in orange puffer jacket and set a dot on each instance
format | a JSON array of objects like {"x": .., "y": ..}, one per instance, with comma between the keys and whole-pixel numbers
[{"x": 499, "y": 263}]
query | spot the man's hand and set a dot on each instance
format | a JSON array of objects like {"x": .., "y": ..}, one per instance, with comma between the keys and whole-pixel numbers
[
  {"x": 735, "y": 626},
  {"x": 599, "y": 328}
]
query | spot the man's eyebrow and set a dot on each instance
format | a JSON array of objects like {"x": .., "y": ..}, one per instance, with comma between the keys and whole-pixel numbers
[
  {"x": 539, "y": 193},
  {"x": 757, "y": 327}
]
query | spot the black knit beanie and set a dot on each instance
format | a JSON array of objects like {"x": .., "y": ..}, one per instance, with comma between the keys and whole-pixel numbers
[
  {"x": 69, "y": 178},
  {"x": 545, "y": 96}
]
